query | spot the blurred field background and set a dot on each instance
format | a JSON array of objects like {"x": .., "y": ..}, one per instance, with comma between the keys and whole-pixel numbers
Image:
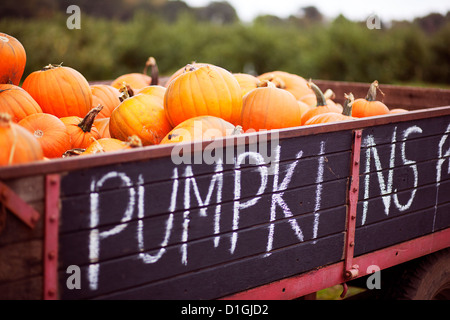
[{"x": 117, "y": 36}]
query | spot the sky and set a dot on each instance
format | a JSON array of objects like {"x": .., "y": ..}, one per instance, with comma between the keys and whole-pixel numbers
[{"x": 386, "y": 10}]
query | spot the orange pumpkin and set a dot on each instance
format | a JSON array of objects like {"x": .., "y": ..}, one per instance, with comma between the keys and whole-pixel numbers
[
  {"x": 293, "y": 83},
  {"x": 199, "y": 128},
  {"x": 12, "y": 59},
  {"x": 398, "y": 110},
  {"x": 247, "y": 82},
  {"x": 50, "y": 131},
  {"x": 17, "y": 144},
  {"x": 328, "y": 117},
  {"x": 82, "y": 130},
  {"x": 321, "y": 107},
  {"x": 107, "y": 96},
  {"x": 110, "y": 144},
  {"x": 154, "y": 90},
  {"x": 142, "y": 115},
  {"x": 102, "y": 126},
  {"x": 369, "y": 106},
  {"x": 17, "y": 102},
  {"x": 139, "y": 80},
  {"x": 269, "y": 107},
  {"x": 183, "y": 70},
  {"x": 207, "y": 90},
  {"x": 303, "y": 107},
  {"x": 60, "y": 91}
]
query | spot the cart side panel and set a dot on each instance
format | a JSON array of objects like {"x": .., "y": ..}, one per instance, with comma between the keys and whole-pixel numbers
[
  {"x": 205, "y": 223},
  {"x": 404, "y": 182},
  {"x": 21, "y": 247}
]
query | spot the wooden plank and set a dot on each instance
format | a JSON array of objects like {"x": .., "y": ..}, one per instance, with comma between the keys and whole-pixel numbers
[
  {"x": 152, "y": 231},
  {"x": 24, "y": 289},
  {"x": 20, "y": 260},
  {"x": 158, "y": 197},
  {"x": 223, "y": 279},
  {"x": 162, "y": 169},
  {"x": 392, "y": 231}
]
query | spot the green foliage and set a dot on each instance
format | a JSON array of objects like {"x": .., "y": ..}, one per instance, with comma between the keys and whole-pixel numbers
[{"x": 338, "y": 50}]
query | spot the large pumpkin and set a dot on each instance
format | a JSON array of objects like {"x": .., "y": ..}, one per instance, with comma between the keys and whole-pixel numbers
[
  {"x": 269, "y": 107},
  {"x": 50, "y": 132},
  {"x": 369, "y": 106},
  {"x": 102, "y": 126},
  {"x": 17, "y": 144},
  {"x": 182, "y": 70},
  {"x": 17, "y": 102},
  {"x": 199, "y": 128},
  {"x": 12, "y": 59},
  {"x": 142, "y": 115},
  {"x": 322, "y": 105},
  {"x": 139, "y": 80},
  {"x": 293, "y": 83},
  {"x": 208, "y": 90},
  {"x": 82, "y": 130},
  {"x": 107, "y": 96},
  {"x": 61, "y": 91}
]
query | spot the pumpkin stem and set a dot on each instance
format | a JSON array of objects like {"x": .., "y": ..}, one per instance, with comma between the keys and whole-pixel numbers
[
  {"x": 372, "y": 93},
  {"x": 237, "y": 130},
  {"x": 134, "y": 141},
  {"x": 88, "y": 120},
  {"x": 348, "y": 104},
  {"x": 267, "y": 83},
  {"x": 5, "y": 120},
  {"x": 321, "y": 100},
  {"x": 155, "y": 71},
  {"x": 52, "y": 66},
  {"x": 329, "y": 94},
  {"x": 125, "y": 92},
  {"x": 73, "y": 152}
]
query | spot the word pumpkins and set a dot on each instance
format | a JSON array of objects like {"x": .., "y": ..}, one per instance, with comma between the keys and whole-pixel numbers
[{"x": 203, "y": 91}]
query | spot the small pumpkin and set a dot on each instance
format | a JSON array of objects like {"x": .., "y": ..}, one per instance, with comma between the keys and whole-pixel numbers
[
  {"x": 17, "y": 102},
  {"x": 139, "y": 80},
  {"x": 142, "y": 115},
  {"x": 369, "y": 106},
  {"x": 321, "y": 106},
  {"x": 111, "y": 144},
  {"x": 328, "y": 117},
  {"x": 50, "y": 131},
  {"x": 398, "y": 110},
  {"x": 295, "y": 84},
  {"x": 60, "y": 91},
  {"x": 17, "y": 144},
  {"x": 12, "y": 59},
  {"x": 269, "y": 107},
  {"x": 82, "y": 130},
  {"x": 107, "y": 96},
  {"x": 200, "y": 128}
]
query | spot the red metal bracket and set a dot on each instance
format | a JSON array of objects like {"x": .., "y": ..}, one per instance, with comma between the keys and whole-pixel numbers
[
  {"x": 52, "y": 190},
  {"x": 350, "y": 270},
  {"x": 17, "y": 206}
]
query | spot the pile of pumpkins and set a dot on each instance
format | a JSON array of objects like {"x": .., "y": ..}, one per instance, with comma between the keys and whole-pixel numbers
[{"x": 56, "y": 113}]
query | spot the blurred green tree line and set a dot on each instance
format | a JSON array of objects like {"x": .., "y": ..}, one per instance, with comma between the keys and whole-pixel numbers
[{"x": 117, "y": 36}]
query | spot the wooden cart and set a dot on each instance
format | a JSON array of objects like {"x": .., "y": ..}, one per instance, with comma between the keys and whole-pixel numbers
[{"x": 275, "y": 215}]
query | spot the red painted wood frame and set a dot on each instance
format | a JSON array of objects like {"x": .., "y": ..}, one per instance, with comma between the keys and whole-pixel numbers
[{"x": 51, "y": 229}]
